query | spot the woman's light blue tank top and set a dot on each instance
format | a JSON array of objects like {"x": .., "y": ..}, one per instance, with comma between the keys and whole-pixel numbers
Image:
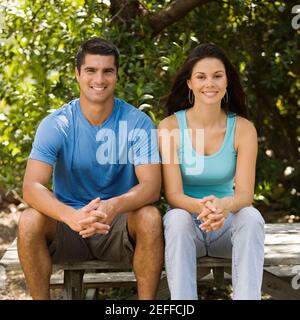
[{"x": 207, "y": 175}]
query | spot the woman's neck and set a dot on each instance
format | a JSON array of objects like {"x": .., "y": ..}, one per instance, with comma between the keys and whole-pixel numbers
[{"x": 207, "y": 116}]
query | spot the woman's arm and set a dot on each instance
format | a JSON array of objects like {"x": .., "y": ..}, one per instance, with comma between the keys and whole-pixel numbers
[
  {"x": 168, "y": 135},
  {"x": 246, "y": 146}
]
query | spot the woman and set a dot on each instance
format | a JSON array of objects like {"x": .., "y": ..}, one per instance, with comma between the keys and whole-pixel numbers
[{"x": 209, "y": 176}]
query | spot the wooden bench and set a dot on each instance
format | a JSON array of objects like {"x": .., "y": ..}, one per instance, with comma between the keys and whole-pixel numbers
[{"x": 282, "y": 253}]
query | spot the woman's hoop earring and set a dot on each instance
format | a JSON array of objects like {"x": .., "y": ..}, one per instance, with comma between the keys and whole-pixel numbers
[
  {"x": 226, "y": 98},
  {"x": 191, "y": 97}
]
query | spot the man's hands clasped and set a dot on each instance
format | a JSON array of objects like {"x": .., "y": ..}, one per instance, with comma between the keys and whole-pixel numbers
[{"x": 91, "y": 219}]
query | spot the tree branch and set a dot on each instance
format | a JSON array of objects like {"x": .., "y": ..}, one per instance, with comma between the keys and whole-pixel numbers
[
  {"x": 125, "y": 10},
  {"x": 172, "y": 13}
]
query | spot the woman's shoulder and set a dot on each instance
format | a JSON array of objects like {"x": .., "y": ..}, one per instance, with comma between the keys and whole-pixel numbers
[
  {"x": 245, "y": 129},
  {"x": 244, "y": 125},
  {"x": 169, "y": 123}
]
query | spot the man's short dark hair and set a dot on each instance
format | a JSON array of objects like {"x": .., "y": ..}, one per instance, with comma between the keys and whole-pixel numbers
[{"x": 96, "y": 46}]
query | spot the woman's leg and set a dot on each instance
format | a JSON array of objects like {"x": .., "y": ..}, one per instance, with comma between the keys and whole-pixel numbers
[
  {"x": 248, "y": 254},
  {"x": 242, "y": 237},
  {"x": 183, "y": 244}
]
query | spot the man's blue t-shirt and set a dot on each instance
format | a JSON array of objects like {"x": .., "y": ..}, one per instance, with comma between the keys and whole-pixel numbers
[{"x": 94, "y": 161}]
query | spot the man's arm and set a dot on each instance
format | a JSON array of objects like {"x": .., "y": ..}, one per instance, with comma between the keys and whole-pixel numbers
[
  {"x": 145, "y": 192},
  {"x": 38, "y": 196}
]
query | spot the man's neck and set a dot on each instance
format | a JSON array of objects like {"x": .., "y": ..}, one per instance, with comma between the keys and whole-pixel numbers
[{"x": 95, "y": 113}]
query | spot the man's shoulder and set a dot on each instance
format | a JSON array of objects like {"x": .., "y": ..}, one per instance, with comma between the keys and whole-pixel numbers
[
  {"x": 62, "y": 116},
  {"x": 131, "y": 113}
]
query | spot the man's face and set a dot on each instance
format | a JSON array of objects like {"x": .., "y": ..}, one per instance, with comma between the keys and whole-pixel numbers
[{"x": 97, "y": 78}]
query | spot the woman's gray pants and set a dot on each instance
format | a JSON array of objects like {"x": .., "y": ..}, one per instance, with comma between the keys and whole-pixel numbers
[{"x": 241, "y": 238}]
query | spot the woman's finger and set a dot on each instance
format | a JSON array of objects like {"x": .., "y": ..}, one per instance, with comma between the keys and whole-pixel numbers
[
  {"x": 214, "y": 217},
  {"x": 210, "y": 206},
  {"x": 218, "y": 225},
  {"x": 205, "y": 211},
  {"x": 208, "y": 198}
]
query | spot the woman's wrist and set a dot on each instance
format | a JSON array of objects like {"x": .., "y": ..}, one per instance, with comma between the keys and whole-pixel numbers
[
  {"x": 228, "y": 204},
  {"x": 197, "y": 206}
]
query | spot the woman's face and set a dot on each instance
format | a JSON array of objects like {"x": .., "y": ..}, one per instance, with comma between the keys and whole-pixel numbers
[{"x": 208, "y": 81}]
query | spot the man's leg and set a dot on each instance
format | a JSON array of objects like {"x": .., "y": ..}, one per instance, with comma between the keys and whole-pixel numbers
[
  {"x": 35, "y": 231},
  {"x": 145, "y": 228}
]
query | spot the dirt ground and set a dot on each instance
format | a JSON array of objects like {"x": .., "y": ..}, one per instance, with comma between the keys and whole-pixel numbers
[
  {"x": 14, "y": 282},
  {"x": 15, "y": 288}
]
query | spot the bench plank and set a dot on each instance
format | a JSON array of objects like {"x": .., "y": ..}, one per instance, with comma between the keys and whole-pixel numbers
[
  {"x": 282, "y": 271},
  {"x": 282, "y": 245},
  {"x": 281, "y": 248},
  {"x": 99, "y": 280},
  {"x": 278, "y": 288}
]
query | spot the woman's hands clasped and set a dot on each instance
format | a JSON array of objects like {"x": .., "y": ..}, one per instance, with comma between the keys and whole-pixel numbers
[{"x": 213, "y": 213}]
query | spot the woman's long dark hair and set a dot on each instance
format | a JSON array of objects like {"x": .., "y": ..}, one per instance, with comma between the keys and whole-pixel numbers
[{"x": 178, "y": 97}]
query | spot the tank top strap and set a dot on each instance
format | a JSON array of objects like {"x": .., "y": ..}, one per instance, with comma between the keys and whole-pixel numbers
[
  {"x": 181, "y": 118},
  {"x": 231, "y": 119}
]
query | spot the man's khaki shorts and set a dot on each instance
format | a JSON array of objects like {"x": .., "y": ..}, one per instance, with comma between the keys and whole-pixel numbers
[{"x": 116, "y": 246}]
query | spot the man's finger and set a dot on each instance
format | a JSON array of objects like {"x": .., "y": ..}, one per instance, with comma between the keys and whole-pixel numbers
[
  {"x": 87, "y": 221},
  {"x": 92, "y": 205},
  {"x": 88, "y": 235},
  {"x": 101, "y": 227},
  {"x": 87, "y": 231},
  {"x": 99, "y": 214},
  {"x": 97, "y": 228}
]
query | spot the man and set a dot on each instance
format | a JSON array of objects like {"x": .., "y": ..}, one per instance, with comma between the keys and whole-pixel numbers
[{"x": 106, "y": 173}]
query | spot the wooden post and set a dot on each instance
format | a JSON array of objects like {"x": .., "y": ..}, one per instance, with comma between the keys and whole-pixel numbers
[
  {"x": 218, "y": 273},
  {"x": 73, "y": 284}
]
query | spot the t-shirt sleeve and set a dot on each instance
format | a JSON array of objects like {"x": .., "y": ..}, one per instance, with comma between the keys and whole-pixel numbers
[
  {"x": 145, "y": 144},
  {"x": 47, "y": 142}
]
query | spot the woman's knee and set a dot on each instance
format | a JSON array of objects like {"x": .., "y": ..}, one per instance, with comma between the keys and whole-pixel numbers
[
  {"x": 178, "y": 219},
  {"x": 250, "y": 217}
]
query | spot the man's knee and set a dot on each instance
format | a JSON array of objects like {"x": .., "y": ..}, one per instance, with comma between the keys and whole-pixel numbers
[
  {"x": 32, "y": 223},
  {"x": 146, "y": 219}
]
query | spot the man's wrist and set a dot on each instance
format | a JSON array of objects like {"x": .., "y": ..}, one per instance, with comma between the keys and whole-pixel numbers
[
  {"x": 113, "y": 205},
  {"x": 67, "y": 213}
]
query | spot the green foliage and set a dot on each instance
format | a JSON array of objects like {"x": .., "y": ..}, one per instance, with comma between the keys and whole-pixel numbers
[{"x": 37, "y": 73}]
